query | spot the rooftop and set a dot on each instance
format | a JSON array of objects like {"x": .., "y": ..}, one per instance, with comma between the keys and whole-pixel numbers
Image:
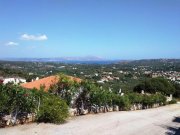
[{"x": 46, "y": 82}]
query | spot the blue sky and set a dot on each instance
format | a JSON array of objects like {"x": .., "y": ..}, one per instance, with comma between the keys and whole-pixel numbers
[{"x": 112, "y": 29}]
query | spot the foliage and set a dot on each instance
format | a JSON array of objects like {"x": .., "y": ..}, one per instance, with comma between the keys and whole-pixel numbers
[
  {"x": 177, "y": 90},
  {"x": 52, "y": 109},
  {"x": 135, "y": 98},
  {"x": 16, "y": 101},
  {"x": 172, "y": 101},
  {"x": 100, "y": 97},
  {"x": 155, "y": 85},
  {"x": 124, "y": 103},
  {"x": 66, "y": 88},
  {"x": 93, "y": 94}
]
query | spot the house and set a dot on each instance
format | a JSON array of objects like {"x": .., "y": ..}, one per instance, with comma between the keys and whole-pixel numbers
[
  {"x": 14, "y": 80},
  {"x": 100, "y": 81},
  {"x": 46, "y": 82}
]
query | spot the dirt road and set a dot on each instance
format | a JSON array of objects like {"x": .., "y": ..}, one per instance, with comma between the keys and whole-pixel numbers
[{"x": 157, "y": 121}]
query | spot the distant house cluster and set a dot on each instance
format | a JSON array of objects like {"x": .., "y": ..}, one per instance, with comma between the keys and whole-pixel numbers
[
  {"x": 14, "y": 80},
  {"x": 171, "y": 75}
]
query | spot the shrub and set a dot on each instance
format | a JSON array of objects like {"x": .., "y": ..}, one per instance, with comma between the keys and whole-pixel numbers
[
  {"x": 124, "y": 103},
  {"x": 135, "y": 98},
  {"x": 104, "y": 97},
  {"x": 16, "y": 101},
  {"x": 52, "y": 109},
  {"x": 172, "y": 101}
]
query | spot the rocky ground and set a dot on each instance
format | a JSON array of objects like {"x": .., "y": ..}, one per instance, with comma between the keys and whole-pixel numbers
[{"x": 157, "y": 121}]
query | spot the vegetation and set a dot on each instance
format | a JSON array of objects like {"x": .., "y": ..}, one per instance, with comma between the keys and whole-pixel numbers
[
  {"x": 156, "y": 85},
  {"x": 52, "y": 109},
  {"x": 53, "y": 106},
  {"x": 177, "y": 90},
  {"x": 172, "y": 101},
  {"x": 100, "y": 97},
  {"x": 65, "y": 88},
  {"x": 124, "y": 92},
  {"x": 17, "y": 101},
  {"x": 133, "y": 71}
]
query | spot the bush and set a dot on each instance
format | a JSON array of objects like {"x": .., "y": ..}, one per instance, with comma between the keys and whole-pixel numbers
[
  {"x": 135, "y": 98},
  {"x": 154, "y": 85},
  {"x": 172, "y": 101},
  {"x": 124, "y": 103},
  {"x": 52, "y": 110},
  {"x": 104, "y": 97},
  {"x": 16, "y": 101}
]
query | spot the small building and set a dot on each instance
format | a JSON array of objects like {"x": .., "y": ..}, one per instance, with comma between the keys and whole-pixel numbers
[{"x": 14, "y": 80}]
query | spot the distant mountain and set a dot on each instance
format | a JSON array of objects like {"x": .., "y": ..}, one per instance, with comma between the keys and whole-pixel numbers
[
  {"x": 151, "y": 62},
  {"x": 80, "y": 60},
  {"x": 88, "y": 58},
  {"x": 95, "y": 60}
]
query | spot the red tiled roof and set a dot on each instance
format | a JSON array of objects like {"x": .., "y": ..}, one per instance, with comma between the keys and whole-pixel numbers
[
  {"x": 46, "y": 82},
  {"x": 1, "y": 81}
]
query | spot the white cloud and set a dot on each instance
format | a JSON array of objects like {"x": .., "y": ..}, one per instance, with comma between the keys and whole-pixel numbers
[
  {"x": 34, "y": 37},
  {"x": 12, "y": 43}
]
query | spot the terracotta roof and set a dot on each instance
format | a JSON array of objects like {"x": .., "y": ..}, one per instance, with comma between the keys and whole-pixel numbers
[
  {"x": 45, "y": 82},
  {"x": 1, "y": 81}
]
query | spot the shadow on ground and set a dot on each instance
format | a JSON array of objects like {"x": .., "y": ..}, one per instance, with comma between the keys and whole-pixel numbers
[{"x": 174, "y": 130}]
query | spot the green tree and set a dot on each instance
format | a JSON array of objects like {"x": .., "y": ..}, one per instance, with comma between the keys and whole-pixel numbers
[{"x": 155, "y": 85}]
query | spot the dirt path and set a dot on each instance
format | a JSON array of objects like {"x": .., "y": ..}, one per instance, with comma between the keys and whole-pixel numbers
[{"x": 157, "y": 121}]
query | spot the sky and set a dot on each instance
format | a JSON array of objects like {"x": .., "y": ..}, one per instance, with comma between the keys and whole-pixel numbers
[{"x": 110, "y": 29}]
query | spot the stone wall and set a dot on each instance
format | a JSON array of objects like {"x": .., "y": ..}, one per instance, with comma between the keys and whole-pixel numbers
[
  {"x": 9, "y": 120},
  {"x": 103, "y": 109}
]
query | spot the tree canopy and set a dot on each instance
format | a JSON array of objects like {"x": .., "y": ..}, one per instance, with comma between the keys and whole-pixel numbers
[{"x": 154, "y": 85}]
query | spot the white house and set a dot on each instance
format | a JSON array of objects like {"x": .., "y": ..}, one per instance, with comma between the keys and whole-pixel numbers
[{"x": 13, "y": 80}]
